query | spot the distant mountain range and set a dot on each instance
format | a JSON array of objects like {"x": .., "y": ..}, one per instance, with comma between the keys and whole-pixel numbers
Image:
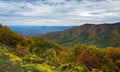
[
  {"x": 101, "y": 35},
  {"x": 36, "y": 30}
]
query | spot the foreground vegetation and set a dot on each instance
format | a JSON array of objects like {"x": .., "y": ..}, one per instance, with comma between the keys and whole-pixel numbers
[
  {"x": 80, "y": 58},
  {"x": 32, "y": 54}
]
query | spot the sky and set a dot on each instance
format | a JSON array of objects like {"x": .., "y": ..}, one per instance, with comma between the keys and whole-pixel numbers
[{"x": 58, "y": 12}]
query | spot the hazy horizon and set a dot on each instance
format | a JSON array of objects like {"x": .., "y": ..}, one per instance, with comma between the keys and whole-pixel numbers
[{"x": 62, "y": 25}]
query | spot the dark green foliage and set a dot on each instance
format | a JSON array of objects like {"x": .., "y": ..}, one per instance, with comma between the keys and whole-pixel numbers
[
  {"x": 72, "y": 68},
  {"x": 42, "y": 45}
]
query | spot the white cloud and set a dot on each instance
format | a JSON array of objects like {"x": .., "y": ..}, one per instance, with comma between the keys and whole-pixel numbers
[
  {"x": 59, "y": 12},
  {"x": 36, "y": 10},
  {"x": 50, "y": 20}
]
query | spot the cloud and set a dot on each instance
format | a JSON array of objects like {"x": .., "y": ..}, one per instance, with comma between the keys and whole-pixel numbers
[
  {"x": 35, "y": 10},
  {"x": 50, "y": 20},
  {"x": 58, "y": 12}
]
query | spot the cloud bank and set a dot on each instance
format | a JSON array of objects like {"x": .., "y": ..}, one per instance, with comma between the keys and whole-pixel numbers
[{"x": 58, "y": 12}]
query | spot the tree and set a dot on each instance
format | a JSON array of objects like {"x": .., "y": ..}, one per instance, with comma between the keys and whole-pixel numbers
[
  {"x": 89, "y": 61},
  {"x": 63, "y": 57},
  {"x": 50, "y": 57}
]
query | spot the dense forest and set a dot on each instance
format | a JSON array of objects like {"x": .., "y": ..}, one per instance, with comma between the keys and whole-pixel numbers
[
  {"x": 34, "y": 54},
  {"x": 101, "y": 35}
]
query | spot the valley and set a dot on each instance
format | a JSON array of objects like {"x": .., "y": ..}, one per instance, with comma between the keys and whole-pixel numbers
[
  {"x": 35, "y": 54},
  {"x": 36, "y": 30}
]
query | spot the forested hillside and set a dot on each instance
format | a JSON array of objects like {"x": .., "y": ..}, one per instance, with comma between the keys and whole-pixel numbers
[
  {"x": 34, "y": 54},
  {"x": 101, "y": 35}
]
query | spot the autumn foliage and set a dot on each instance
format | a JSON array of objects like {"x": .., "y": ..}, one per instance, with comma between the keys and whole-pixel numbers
[
  {"x": 34, "y": 54},
  {"x": 88, "y": 60}
]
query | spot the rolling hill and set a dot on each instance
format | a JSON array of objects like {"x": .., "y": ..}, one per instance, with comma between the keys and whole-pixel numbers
[
  {"x": 101, "y": 35},
  {"x": 10, "y": 38}
]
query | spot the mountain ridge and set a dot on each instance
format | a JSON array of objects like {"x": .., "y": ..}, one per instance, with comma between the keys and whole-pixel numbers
[{"x": 99, "y": 35}]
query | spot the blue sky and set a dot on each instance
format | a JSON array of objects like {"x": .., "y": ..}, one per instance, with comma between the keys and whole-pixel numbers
[{"x": 58, "y": 12}]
